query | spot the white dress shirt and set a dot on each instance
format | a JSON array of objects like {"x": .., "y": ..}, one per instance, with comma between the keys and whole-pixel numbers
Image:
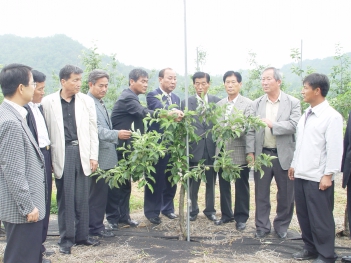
[
  {"x": 43, "y": 136},
  {"x": 229, "y": 107},
  {"x": 319, "y": 144},
  {"x": 17, "y": 107}
]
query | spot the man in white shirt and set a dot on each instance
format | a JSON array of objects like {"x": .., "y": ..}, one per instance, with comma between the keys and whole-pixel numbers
[
  {"x": 317, "y": 159},
  {"x": 37, "y": 125}
]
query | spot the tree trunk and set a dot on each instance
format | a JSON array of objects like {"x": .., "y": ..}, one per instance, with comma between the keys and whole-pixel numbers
[{"x": 182, "y": 227}]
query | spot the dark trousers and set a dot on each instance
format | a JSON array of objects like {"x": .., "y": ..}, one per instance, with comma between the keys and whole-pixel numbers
[
  {"x": 285, "y": 197},
  {"x": 242, "y": 197},
  {"x": 73, "y": 200},
  {"x": 349, "y": 202},
  {"x": 314, "y": 210},
  {"x": 117, "y": 208},
  {"x": 24, "y": 242},
  {"x": 48, "y": 168},
  {"x": 210, "y": 188},
  {"x": 161, "y": 200},
  {"x": 97, "y": 205}
]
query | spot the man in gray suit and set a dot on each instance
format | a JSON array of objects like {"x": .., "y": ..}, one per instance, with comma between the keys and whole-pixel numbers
[
  {"x": 203, "y": 149},
  {"x": 281, "y": 113},
  {"x": 22, "y": 175},
  {"x": 108, "y": 140},
  {"x": 232, "y": 83}
]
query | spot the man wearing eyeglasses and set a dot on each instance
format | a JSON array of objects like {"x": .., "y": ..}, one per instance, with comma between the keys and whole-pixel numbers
[
  {"x": 22, "y": 171},
  {"x": 37, "y": 125},
  {"x": 281, "y": 113}
]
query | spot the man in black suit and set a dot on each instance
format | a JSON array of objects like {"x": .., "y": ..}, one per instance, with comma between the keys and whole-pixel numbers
[
  {"x": 203, "y": 149},
  {"x": 37, "y": 125},
  {"x": 22, "y": 175},
  {"x": 161, "y": 200},
  {"x": 127, "y": 111},
  {"x": 346, "y": 169}
]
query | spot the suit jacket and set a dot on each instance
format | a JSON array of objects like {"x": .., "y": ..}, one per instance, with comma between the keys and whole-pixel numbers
[
  {"x": 22, "y": 170},
  {"x": 346, "y": 158},
  {"x": 284, "y": 128},
  {"x": 108, "y": 138},
  {"x": 197, "y": 149},
  {"x": 31, "y": 121},
  {"x": 128, "y": 110},
  {"x": 154, "y": 103},
  {"x": 85, "y": 115},
  {"x": 238, "y": 145}
]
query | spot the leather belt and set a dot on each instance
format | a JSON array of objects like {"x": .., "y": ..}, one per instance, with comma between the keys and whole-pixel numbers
[
  {"x": 273, "y": 150},
  {"x": 73, "y": 143},
  {"x": 47, "y": 147}
]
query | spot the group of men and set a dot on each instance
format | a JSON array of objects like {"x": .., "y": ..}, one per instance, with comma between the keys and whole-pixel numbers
[{"x": 70, "y": 134}]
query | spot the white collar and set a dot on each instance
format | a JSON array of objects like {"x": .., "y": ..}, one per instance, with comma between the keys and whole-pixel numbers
[{"x": 22, "y": 111}]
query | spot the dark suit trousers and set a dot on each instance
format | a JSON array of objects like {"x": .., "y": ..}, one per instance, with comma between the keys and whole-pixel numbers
[
  {"x": 210, "y": 188},
  {"x": 97, "y": 205},
  {"x": 48, "y": 167},
  {"x": 349, "y": 202},
  {"x": 314, "y": 210},
  {"x": 73, "y": 200},
  {"x": 24, "y": 242},
  {"x": 161, "y": 200},
  {"x": 242, "y": 197},
  {"x": 285, "y": 197},
  {"x": 117, "y": 208}
]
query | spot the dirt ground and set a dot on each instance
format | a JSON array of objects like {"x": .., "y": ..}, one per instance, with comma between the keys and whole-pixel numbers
[{"x": 210, "y": 243}]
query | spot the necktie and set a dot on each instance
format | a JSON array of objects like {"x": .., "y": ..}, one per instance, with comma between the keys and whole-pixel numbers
[
  {"x": 308, "y": 114},
  {"x": 169, "y": 100},
  {"x": 103, "y": 105}
]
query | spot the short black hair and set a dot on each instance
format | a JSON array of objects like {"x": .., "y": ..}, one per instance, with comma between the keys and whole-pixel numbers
[
  {"x": 38, "y": 76},
  {"x": 11, "y": 76},
  {"x": 316, "y": 80},
  {"x": 232, "y": 73},
  {"x": 66, "y": 71},
  {"x": 137, "y": 73},
  {"x": 200, "y": 75}
]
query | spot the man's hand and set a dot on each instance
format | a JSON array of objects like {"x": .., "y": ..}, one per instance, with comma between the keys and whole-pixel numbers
[
  {"x": 33, "y": 216},
  {"x": 250, "y": 158},
  {"x": 291, "y": 173},
  {"x": 124, "y": 134},
  {"x": 268, "y": 122},
  {"x": 178, "y": 113},
  {"x": 93, "y": 165},
  {"x": 326, "y": 182}
]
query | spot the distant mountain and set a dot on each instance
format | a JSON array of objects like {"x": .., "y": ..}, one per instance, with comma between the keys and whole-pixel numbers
[{"x": 50, "y": 54}]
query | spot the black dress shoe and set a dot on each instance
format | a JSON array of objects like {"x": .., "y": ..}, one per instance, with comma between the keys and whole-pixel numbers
[
  {"x": 65, "y": 250},
  {"x": 104, "y": 233},
  {"x": 155, "y": 220},
  {"x": 211, "y": 217},
  {"x": 111, "y": 226},
  {"x": 193, "y": 218},
  {"x": 89, "y": 242},
  {"x": 240, "y": 226},
  {"x": 304, "y": 254},
  {"x": 222, "y": 221},
  {"x": 281, "y": 235},
  {"x": 261, "y": 234},
  {"x": 45, "y": 260},
  {"x": 171, "y": 215},
  {"x": 130, "y": 222},
  {"x": 346, "y": 259},
  {"x": 49, "y": 252}
]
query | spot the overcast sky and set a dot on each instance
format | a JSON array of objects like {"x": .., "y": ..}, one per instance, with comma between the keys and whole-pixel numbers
[{"x": 150, "y": 33}]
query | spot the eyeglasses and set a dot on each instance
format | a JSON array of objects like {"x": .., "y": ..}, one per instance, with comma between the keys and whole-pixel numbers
[{"x": 34, "y": 84}]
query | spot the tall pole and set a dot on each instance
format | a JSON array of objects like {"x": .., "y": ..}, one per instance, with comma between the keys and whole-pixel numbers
[{"x": 187, "y": 137}]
